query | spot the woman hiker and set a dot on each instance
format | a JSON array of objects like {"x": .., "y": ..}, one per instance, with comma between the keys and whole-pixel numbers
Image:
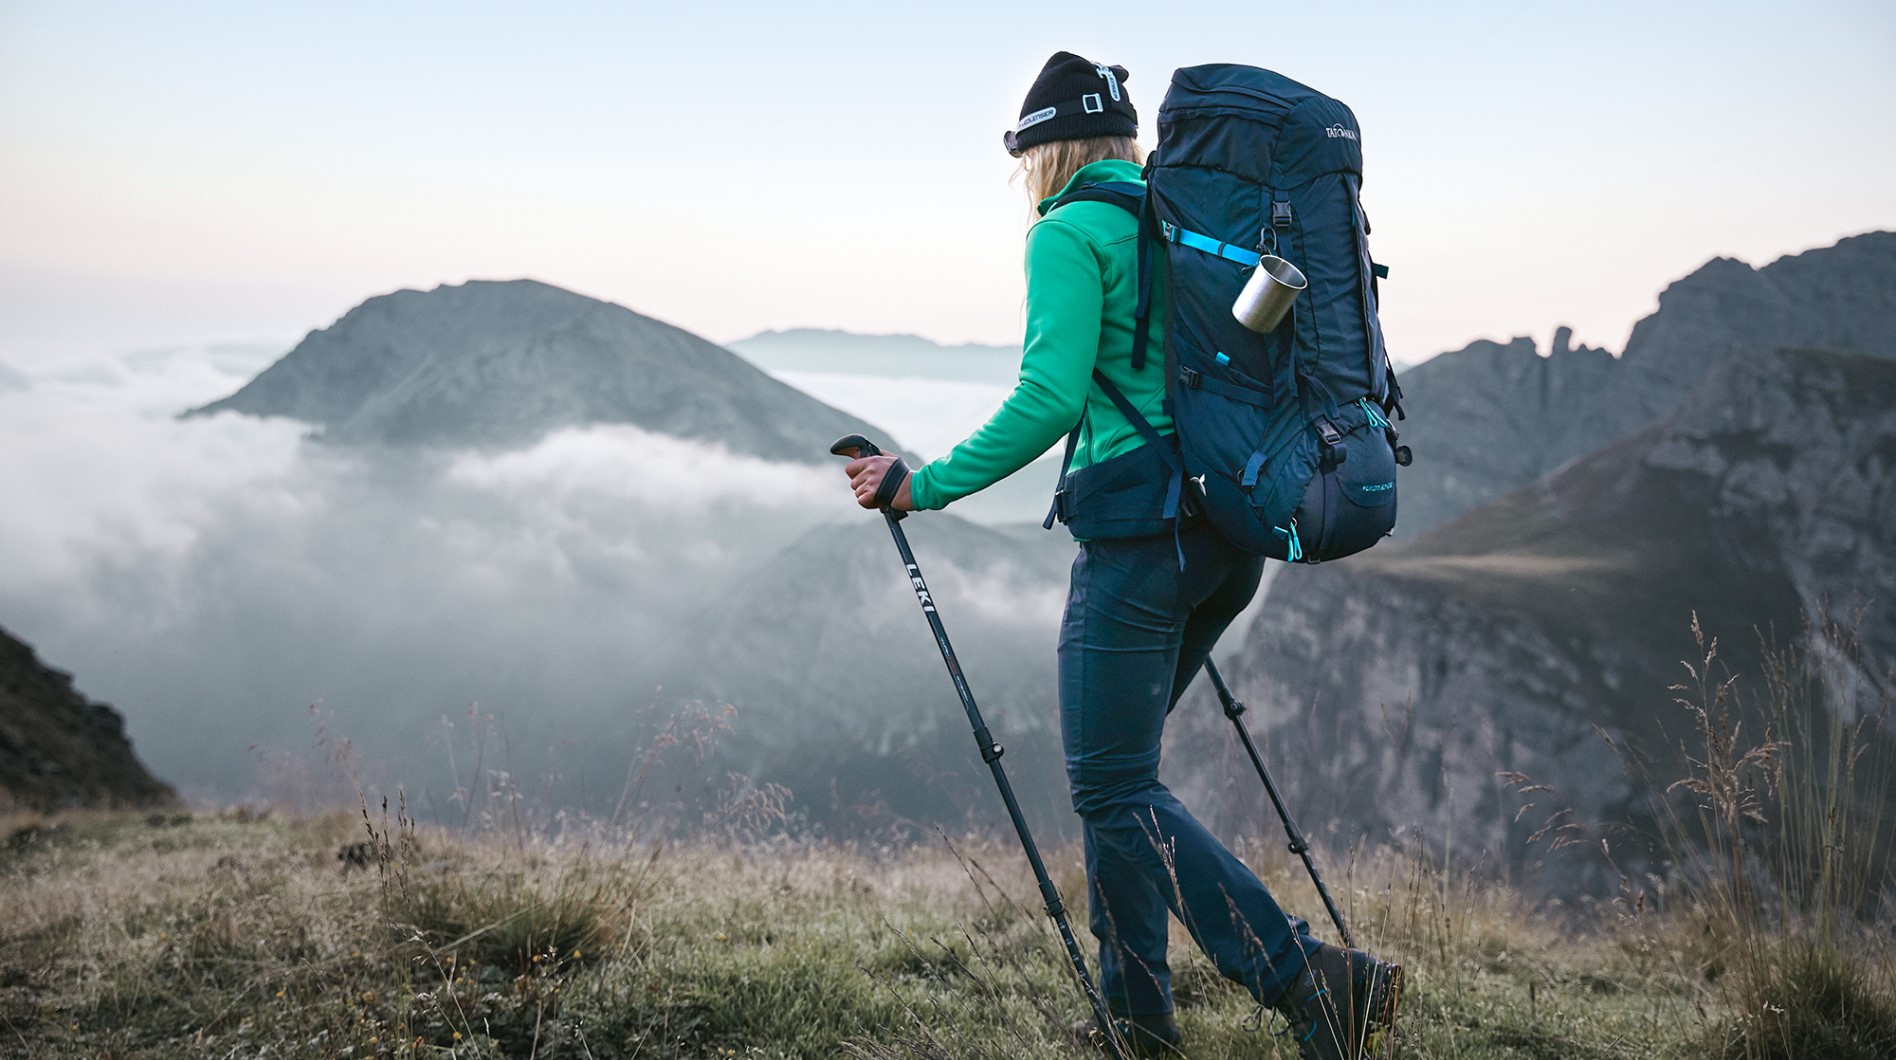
[{"x": 1137, "y": 627}]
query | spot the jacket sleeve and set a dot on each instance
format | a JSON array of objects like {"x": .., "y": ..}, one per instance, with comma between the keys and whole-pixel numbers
[{"x": 1065, "y": 301}]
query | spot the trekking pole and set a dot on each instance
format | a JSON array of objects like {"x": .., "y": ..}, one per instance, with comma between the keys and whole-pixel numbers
[
  {"x": 855, "y": 445},
  {"x": 1298, "y": 844}
]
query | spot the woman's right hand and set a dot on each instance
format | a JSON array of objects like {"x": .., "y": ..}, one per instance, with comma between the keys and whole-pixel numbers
[{"x": 865, "y": 479}]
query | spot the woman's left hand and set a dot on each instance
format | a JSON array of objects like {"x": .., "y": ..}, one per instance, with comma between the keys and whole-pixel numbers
[{"x": 865, "y": 478}]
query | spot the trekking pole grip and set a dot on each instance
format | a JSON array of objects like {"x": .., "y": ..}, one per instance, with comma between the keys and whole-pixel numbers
[{"x": 855, "y": 446}]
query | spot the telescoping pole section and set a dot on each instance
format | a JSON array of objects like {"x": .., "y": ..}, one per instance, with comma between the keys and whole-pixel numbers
[
  {"x": 856, "y": 445},
  {"x": 1298, "y": 844}
]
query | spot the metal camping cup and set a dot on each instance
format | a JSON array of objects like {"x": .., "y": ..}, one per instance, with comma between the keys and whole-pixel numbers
[{"x": 1267, "y": 295}]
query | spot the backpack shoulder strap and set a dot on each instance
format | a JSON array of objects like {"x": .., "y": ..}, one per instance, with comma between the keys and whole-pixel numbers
[
  {"x": 1130, "y": 197},
  {"x": 1125, "y": 194}
]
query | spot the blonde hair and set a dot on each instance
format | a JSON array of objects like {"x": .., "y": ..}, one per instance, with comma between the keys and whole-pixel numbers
[{"x": 1047, "y": 168}]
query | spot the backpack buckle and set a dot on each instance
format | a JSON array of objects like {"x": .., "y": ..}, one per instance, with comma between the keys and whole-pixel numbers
[
  {"x": 1327, "y": 430},
  {"x": 1280, "y": 214},
  {"x": 1189, "y": 377},
  {"x": 1057, "y": 511}
]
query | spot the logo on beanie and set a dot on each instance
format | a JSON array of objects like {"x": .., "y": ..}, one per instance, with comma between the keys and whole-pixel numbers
[
  {"x": 1112, "y": 82},
  {"x": 1036, "y": 117}
]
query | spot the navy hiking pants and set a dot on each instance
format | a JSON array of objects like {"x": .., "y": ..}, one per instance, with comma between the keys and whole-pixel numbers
[{"x": 1135, "y": 632}]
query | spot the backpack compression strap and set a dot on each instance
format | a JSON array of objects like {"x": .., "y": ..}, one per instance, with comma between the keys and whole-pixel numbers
[{"x": 1201, "y": 242}]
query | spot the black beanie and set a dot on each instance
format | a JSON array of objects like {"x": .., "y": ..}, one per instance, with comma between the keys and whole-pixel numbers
[{"x": 1073, "y": 98}]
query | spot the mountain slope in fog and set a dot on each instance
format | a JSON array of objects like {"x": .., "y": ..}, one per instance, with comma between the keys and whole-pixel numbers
[
  {"x": 502, "y": 363},
  {"x": 905, "y": 356},
  {"x": 840, "y": 691},
  {"x": 1490, "y": 418},
  {"x": 1513, "y": 637},
  {"x": 60, "y": 751}
]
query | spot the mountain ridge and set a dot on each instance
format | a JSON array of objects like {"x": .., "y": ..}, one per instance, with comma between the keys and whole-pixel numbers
[
  {"x": 502, "y": 363},
  {"x": 817, "y": 350},
  {"x": 1492, "y": 417}
]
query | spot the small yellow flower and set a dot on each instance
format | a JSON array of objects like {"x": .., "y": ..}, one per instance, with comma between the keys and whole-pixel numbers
[
  {"x": 538, "y": 957},
  {"x": 577, "y": 955},
  {"x": 279, "y": 993},
  {"x": 457, "y": 1036},
  {"x": 721, "y": 937}
]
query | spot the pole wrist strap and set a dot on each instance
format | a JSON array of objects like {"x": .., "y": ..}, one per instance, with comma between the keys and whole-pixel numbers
[{"x": 891, "y": 483}]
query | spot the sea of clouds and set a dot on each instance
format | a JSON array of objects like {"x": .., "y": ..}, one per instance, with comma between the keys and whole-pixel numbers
[
  {"x": 218, "y": 578},
  {"x": 282, "y": 618}
]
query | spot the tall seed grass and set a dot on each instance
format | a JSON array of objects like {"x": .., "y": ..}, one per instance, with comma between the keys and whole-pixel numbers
[{"x": 1785, "y": 849}]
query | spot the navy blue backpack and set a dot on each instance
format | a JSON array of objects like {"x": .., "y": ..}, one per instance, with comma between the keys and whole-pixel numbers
[{"x": 1283, "y": 439}]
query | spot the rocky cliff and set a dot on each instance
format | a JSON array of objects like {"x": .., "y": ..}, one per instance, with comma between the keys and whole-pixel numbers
[
  {"x": 1539, "y": 634},
  {"x": 58, "y": 751},
  {"x": 500, "y": 364},
  {"x": 1490, "y": 418}
]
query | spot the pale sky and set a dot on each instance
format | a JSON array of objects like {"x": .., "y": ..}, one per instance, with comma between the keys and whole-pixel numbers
[{"x": 195, "y": 172}]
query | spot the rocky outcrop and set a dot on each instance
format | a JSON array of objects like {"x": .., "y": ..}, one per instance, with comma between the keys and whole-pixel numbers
[
  {"x": 59, "y": 751},
  {"x": 1490, "y": 418},
  {"x": 1538, "y": 635},
  {"x": 501, "y": 364}
]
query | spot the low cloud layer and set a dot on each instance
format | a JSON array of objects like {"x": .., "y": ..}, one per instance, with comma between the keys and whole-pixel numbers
[
  {"x": 623, "y": 464},
  {"x": 216, "y": 578}
]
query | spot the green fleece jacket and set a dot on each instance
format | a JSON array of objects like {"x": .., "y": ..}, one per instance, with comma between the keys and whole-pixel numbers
[{"x": 1082, "y": 284}]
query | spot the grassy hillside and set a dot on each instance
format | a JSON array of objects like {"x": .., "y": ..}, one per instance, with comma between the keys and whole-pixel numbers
[
  {"x": 234, "y": 936},
  {"x": 240, "y": 935},
  {"x": 251, "y": 934}
]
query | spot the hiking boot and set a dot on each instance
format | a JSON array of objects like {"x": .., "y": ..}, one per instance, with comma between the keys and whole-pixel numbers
[
  {"x": 1145, "y": 1036},
  {"x": 1343, "y": 996}
]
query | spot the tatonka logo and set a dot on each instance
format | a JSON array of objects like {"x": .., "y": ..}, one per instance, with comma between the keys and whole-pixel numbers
[
  {"x": 921, "y": 589},
  {"x": 1342, "y": 131},
  {"x": 1379, "y": 487}
]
